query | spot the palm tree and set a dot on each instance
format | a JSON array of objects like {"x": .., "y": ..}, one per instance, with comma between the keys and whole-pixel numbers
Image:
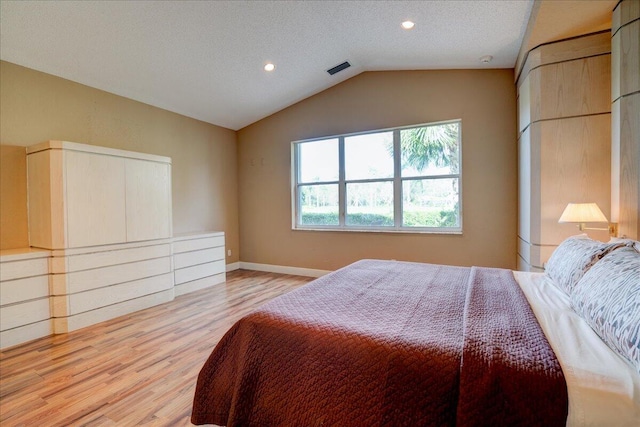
[{"x": 436, "y": 145}]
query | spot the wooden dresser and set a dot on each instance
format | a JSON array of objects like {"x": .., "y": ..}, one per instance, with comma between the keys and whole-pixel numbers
[{"x": 100, "y": 231}]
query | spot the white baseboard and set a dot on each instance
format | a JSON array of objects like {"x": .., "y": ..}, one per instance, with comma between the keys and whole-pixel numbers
[
  {"x": 233, "y": 266},
  {"x": 297, "y": 271}
]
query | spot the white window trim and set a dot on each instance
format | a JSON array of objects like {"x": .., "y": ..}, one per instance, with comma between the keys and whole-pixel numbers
[{"x": 397, "y": 180}]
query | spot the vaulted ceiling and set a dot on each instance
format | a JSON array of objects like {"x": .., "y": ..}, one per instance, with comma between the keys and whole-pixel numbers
[{"x": 205, "y": 59}]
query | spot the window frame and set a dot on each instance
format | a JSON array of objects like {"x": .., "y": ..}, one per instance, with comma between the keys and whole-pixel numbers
[{"x": 397, "y": 180}]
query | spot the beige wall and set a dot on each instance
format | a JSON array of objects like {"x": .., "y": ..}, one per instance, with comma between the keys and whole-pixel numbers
[
  {"x": 13, "y": 204},
  {"x": 485, "y": 100},
  {"x": 36, "y": 107}
]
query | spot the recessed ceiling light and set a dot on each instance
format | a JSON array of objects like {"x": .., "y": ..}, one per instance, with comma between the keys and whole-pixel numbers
[
  {"x": 407, "y": 25},
  {"x": 269, "y": 67}
]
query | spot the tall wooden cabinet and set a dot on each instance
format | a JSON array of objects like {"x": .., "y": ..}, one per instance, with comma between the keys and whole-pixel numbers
[
  {"x": 105, "y": 215},
  {"x": 564, "y": 146},
  {"x": 82, "y": 195},
  {"x": 625, "y": 118}
]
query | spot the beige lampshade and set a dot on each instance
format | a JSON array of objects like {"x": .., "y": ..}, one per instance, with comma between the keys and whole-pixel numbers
[{"x": 582, "y": 212}]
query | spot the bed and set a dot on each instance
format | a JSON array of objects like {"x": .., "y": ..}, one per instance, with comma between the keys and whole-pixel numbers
[{"x": 398, "y": 343}]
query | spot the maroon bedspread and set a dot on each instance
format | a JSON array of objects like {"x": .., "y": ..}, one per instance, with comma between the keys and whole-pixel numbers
[{"x": 387, "y": 343}]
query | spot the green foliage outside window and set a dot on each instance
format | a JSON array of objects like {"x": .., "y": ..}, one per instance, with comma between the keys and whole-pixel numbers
[{"x": 429, "y": 174}]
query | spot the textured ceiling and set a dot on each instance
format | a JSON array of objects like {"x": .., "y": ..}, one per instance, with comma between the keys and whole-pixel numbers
[{"x": 205, "y": 59}]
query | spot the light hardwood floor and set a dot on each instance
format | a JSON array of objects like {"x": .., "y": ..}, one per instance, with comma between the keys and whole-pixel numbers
[{"x": 138, "y": 369}]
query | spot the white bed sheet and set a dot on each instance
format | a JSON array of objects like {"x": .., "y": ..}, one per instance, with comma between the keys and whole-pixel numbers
[{"x": 603, "y": 388}]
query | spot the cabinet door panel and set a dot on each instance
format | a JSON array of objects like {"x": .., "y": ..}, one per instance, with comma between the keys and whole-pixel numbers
[
  {"x": 95, "y": 189},
  {"x": 148, "y": 200}
]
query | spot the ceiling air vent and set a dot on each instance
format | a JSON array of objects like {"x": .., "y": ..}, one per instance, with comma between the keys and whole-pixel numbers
[{"x": 339, "y": 68}]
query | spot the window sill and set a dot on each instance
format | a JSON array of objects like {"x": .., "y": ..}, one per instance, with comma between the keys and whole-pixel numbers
[{"x": 380, "y": 230}]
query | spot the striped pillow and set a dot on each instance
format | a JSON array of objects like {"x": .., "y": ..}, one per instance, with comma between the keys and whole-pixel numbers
[
  {"x": 573, "y": 258},
  {"x": 608, "y": 298}
]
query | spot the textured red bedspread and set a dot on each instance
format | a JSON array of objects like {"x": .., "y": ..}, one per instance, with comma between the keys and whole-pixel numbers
[{"x": 387, "y": 343}]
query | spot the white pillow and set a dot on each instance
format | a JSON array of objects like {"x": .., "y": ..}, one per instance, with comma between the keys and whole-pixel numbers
[
  {"x": 573, "y": 258},
  {"x": 608, "y": 299}
]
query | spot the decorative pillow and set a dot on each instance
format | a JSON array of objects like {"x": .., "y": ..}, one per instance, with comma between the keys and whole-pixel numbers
[
  {"x": 626, "y": 241},
  {"x": 573, "y": 258},
  {"x": 608, "y": 298}
]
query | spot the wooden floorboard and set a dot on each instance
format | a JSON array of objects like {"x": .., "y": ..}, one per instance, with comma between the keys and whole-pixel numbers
[{"x": 138, "y": 369}]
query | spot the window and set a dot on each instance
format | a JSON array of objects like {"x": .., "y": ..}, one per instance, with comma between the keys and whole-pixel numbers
[{"x": 404, "y": 179}]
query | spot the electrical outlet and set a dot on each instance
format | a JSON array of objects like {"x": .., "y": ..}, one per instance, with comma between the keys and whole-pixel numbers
[{"x": 229, "y": 252}]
